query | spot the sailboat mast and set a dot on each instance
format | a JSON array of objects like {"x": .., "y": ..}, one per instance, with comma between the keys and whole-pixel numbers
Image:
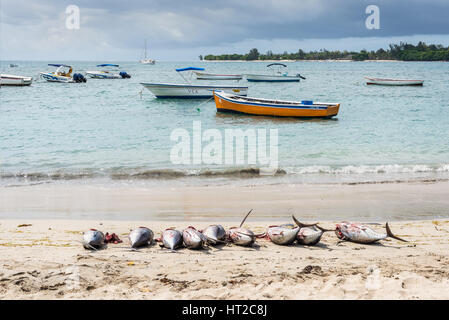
[{"x": 145, "y": 49}]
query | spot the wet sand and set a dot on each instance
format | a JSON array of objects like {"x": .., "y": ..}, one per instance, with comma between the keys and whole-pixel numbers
[
  {"x": 46, "y": 261},
  {"x": 361, "y": 202}
]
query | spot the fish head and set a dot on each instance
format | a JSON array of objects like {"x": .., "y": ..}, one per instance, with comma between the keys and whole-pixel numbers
[{"x": 341, "y": 229}]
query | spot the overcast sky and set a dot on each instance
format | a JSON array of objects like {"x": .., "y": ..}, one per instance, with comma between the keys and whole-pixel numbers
[{"x": 114, "y": 30}]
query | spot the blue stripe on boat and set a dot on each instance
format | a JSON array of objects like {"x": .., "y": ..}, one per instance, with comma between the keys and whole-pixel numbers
[{"x": 271, "y": 105}]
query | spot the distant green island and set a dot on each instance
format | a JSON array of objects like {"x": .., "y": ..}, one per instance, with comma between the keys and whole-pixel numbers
[{"x": 401, "y": 51}]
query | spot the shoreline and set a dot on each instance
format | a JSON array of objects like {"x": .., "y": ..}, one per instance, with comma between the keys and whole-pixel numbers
[
  {"x": 46, "y": 261},
  {"x": 359, "y": 202},
  {"x": 312, "y": 60}
]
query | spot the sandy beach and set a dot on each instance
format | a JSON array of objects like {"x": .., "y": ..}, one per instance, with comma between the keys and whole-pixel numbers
[
  {"x": 46, "y": 261},
  {"x": 42, "y": 257}
]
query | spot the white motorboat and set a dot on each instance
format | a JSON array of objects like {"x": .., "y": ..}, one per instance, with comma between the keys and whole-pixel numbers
[
  {"x": 189, "y": 90},
  {"x": 107, "y": 72},
  {"x": 393, "y": 82},
  {"x": 63, "y": 74},
  {"x": 276, "y": 76},
  {"x": 145, "y": 59},
  {"x": 214, "y": 76},
  {"x": 12, "y": 80}
]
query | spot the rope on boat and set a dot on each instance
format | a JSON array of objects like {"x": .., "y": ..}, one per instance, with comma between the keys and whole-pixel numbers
[{"x": 198, "y": 106}]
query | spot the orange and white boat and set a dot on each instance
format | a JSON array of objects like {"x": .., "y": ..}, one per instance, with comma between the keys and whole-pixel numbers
[{"x": 226, "y": 102}]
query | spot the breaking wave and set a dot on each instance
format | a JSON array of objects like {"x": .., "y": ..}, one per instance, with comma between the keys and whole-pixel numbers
[{"x": 123, "y": 174}]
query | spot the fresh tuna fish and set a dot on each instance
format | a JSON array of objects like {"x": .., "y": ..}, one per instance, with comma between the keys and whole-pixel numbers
[
  {"x": 193, "y": 239},
  {"x": 93, "y": 239},
  {"x": 283, "y": 234},
  {"x": 241, "y": 236},
  {"x": 214, "y": 234},
  {"x": 140, "y": 237},
  {"x": 309, "y": 234},
  {"x": 171, "y": 239},
  {"x": 360, "y": 233}
]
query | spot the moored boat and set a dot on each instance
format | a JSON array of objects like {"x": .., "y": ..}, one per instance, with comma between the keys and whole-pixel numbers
[
  {"x": 190, "y": 91},
  {"x": 12, "y": 80},
  {"x": 276, "y": 76},
  {"x": 107, "y": 73},
  {"x": 63, "y": 74},
  {"x": 145, "y": 59},
  {"x": 393, "y": 82},
  {"x": 214, "y": 76},
  {"x": 226, "y": 102}
]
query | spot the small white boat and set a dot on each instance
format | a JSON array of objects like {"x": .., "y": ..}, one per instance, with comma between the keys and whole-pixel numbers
[
  {"x": 189, "y": 90},
  {"x": 12, "y": 80},
  {"x": 63, "y": 74},
  {"x": 393, "y": 82},
  {"x": 277, "y": 75},
  {"x": 214, "y": 76},
  {"x": 107, "y": 73},
  {"x": 145, "y": 59}
]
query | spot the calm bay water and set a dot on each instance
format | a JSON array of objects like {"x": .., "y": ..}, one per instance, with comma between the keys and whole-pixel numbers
[{"x": 103, "y": 131}]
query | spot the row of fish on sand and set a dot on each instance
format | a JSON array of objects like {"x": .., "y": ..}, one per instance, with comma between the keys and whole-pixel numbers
[{"x": 284, "y": 234}]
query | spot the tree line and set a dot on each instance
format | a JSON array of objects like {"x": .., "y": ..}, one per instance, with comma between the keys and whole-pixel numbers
[{"x": 402, "y": 51}]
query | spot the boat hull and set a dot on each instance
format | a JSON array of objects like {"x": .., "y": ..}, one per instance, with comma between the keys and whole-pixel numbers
[
  {"x": 262, "y": 107},
  {"x": 211, "y": 76},
  {"x": 51, "y": 77},
  {"x": 393, "y": 82},
  {"x": 147, "y": 61},
  {"x": 11, "y": 80},
  {"x": 161, "y": 90},
  {"x": 270, "y": 78},
  {"x": 102, "y": 75}
]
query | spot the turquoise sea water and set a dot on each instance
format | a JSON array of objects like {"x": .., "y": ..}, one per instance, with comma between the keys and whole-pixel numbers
[{"x": 103, "y": 131}]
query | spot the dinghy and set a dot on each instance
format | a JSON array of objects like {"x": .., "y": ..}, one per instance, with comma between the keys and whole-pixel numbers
[
  {"x": 393, "y": 82},
  {"x": 63, "y": 74},
  {"x": 277, "y": 76},
  {"x": 189, "y": 90},
  {"x": 226, "y": 102},
  {"x": 107, "y": 72},
  {"x": 12, "y": 80},
  {"x": 214, "y": 76}
]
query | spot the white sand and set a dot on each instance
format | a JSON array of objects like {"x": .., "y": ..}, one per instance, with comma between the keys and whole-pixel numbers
[{"x": 46, "y": 261}]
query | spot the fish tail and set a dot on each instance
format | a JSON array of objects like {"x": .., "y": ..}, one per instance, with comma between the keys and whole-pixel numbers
[
  {"x": 241, "y": 224},
  {"x": 323, "y": 229},
  {"x": 391, "y": 235},
  {"x": 302, "y": 225}
]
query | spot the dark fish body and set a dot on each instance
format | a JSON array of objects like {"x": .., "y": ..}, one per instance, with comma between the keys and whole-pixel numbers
[
  {"x": 309, "y": 235},
  {"x": 140, "y": 237},
  {"x": 93, "y": 239},
  {"x": 193, "y": 239},
  {"x": 360, "y": 233},
  {"x": 172, "y": 239},
  {"x": 282, "y": 235},
  {"x": 214, "y": 233},
  {"x": 241, "y": 236}
]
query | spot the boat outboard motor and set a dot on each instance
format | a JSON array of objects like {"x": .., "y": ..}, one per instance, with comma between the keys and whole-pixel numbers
[
  {"x": 78, "y": 77},
  {"x": 124, "y": 75},
  {"x": 300, "y": 76}
]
